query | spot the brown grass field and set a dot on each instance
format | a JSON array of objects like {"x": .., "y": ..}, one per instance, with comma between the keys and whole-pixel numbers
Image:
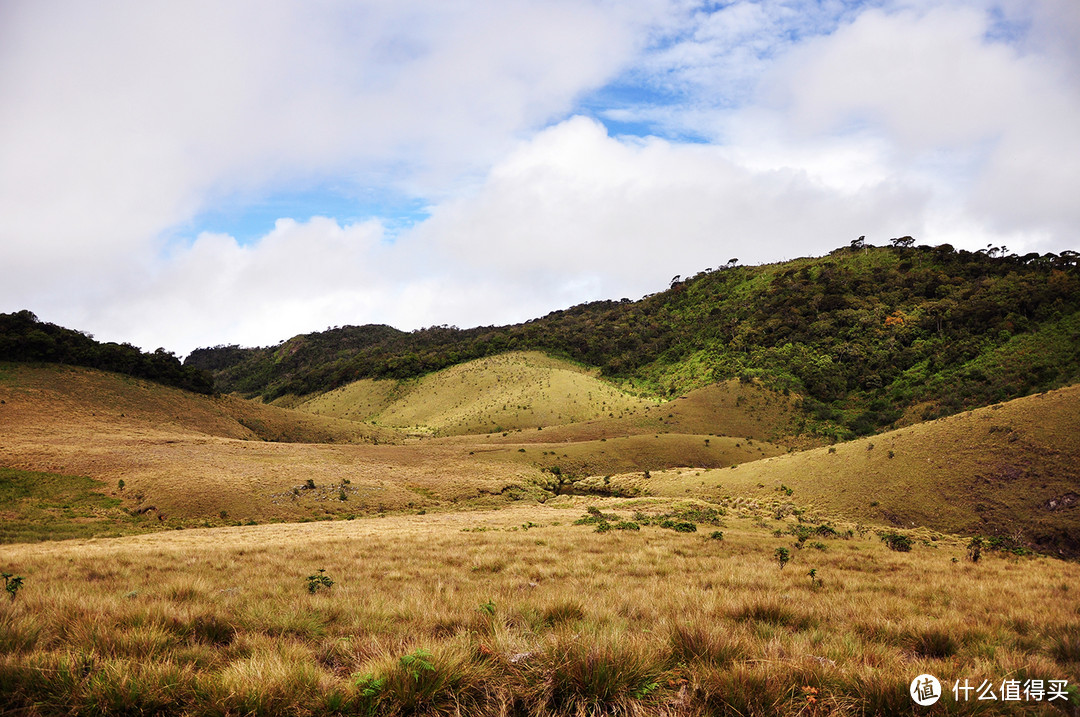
[
  {"x": 467, "y": 581},
  {"x": 520, "y": 611}
]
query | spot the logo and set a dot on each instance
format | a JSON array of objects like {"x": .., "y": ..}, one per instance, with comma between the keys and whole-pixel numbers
[{"x": 925, "y": 690}]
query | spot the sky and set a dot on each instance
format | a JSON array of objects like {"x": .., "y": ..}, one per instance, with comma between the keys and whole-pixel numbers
[{"x": 189, "y": 174}]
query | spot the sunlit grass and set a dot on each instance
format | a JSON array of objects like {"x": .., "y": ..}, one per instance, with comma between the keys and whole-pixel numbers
[{"x": 477, "y": 614}]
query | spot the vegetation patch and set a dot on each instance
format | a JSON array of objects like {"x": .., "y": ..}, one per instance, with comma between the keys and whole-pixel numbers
[{"x": 49, "y": 506}]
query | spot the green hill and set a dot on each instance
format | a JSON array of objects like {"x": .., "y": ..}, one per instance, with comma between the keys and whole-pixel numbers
[
  {"x": 869, "y": 337},
  {"x": 489, "y": 395},
  {"x": 23, "y": 338}
]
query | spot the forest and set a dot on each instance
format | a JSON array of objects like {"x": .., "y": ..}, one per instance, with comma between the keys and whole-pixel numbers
[{"x": 23, "y": 337}]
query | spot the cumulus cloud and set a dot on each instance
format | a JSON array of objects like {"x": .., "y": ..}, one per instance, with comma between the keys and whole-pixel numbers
[
  {"x": 812, "y": 123},
  {"x": 122, "y": 120}
]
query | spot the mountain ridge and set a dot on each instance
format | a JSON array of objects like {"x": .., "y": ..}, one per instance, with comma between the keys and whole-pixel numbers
[{"x": 863, "y": 334}]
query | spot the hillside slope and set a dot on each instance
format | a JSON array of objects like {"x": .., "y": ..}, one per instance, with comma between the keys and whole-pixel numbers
[
  {"x": 1011, "y": 469},
  {"x": 511, "y": 391},
  {"x": 868, "y": 335},
  {"x": 45, "y": 398}
]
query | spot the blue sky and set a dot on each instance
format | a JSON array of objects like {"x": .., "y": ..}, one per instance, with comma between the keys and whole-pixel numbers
[{"x": 190, "y": 174}]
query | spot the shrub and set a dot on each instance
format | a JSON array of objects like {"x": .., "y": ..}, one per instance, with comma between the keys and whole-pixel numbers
[
  {"x": 897, "y": 542},
  {"x": 318, "y": 581},
  {"x": 12, "y": 584},
  {"x": 974, "y": 549},
  {"x": 783, "y": 556}
]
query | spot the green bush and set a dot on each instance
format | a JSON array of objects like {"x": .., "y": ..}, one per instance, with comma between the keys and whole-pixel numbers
[
  {"x": 897, "y": 542},
  {"x": 318, "y": 581}
]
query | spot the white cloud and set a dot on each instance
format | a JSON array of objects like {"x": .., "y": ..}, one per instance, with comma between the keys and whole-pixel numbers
[
  {"x": 952, "y": 121},
  {"x": 991, "y": 128},
  {"x": 123, "y": 119}
]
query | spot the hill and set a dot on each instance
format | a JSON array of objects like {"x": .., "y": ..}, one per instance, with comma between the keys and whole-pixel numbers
[
  {"x": 185, "y": 458},
  {"x": 490, "y": 395},
  {"x": 869, "y": 337},
  {"x": 1010, "y": 470},
  {"x": 1007, "y": 470},
  {"x": 23, "y": 337}
]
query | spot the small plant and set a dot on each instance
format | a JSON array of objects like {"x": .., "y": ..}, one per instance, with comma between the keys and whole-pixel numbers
[
  {"x": 897, "y": 542},
  {"x": 716, "y": 535},
  {"x": 783, "y": 556},
  {"x": 120, "y": 484},
  {"x": 309, "y": 484},
  {"x": 974, "y": 549},
  {"x": 341, "y": 495},
  {"x": 370, "y": 688},
  {"x": 815, "y": 581},
  {"x": 416, "y": 663},
  {"x": 12, "y": 583},
  {"x": 318, "y": 581},
  {"x": 487, "y": 608}
]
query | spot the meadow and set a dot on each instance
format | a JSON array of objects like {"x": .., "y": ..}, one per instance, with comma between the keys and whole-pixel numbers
[
  {"x": 531, "y": 610},
  {"x": 683, "y": 559}
]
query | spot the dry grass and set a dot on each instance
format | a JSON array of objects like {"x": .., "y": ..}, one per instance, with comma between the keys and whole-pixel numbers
[
  {"x": 190, "y": 460},
  {"x": 519, "y": 611},
  {"x": 1001, "y": 470},
  {"x": 490, "y": 395}
]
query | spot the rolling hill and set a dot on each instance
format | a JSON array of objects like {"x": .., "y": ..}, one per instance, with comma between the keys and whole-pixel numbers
[
  {"x": 1010, "y": 470},
  {"x": 491, "y": 395},
  {"x": 1006, "y": 470},
  {"x": 869, "y": 337}
]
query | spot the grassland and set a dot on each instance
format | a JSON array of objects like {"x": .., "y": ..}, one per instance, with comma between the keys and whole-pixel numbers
[
  {"x": 511, "y": 391},
  {"x": 190, "y": 460},
  {"x": 607, "y": 565},
  {"x": 522, "y": 611},
  {"x": 1009, "y": 469}
]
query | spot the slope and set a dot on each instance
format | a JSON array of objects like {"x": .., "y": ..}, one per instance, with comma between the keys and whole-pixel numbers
[
  {"x": 511, "y": 391},
  {"x": 1011, "y": 469},
  {"x": 43, "y": 397},
  {"x": 865, "y": 334}
]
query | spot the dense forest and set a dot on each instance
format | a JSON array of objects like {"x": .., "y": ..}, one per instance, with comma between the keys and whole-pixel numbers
[
  {"x": 863, "y": 334},
  {"x": 23, "y": 337}
]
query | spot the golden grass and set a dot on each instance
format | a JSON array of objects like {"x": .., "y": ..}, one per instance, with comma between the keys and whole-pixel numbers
[
  {"x": 190, "y": 460},
  {"x": 49, "y": 398},
  {"x": 996, "y": 470},
  {"x": 519, "y": 611},
  {"x": 490, "y": 395}
]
